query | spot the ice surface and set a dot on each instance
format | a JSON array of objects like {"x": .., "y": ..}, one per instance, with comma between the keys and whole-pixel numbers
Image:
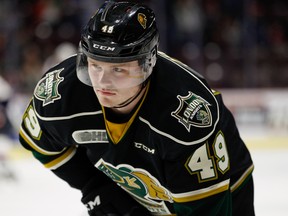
[{"x": 35, "y": 191}]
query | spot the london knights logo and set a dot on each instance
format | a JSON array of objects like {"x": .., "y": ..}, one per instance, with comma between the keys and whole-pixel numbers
[
  {"x": 193, "y": 110},
  {"x": 47, "y": 88},
  {"x": 145, "y": 188}
]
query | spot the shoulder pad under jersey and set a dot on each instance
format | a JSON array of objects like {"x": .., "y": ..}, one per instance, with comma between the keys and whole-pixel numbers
[
  {"x": 59, "y": 93},
  {"x": 185, "y": 109}
]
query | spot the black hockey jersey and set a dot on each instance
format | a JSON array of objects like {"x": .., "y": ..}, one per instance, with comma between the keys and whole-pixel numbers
[{"x": 179, "y": 149}]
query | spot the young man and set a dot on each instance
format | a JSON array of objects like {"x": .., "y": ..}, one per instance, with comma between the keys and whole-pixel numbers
[{"x": 155, "y": 140}]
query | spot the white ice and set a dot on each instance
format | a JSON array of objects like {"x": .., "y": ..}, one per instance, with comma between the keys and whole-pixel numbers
[{"x": 35, "y": 191}]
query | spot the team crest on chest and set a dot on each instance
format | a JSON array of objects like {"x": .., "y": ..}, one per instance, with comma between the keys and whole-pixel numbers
[
  {"x": 47, "y": 88},
  {"x": 140, "y": 184},
  {"x": 193, "y": 110}
]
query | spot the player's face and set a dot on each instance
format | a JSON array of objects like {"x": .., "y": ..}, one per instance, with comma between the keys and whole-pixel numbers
[
  {"x": 114, "y": 83},
  {"x": 115, "y": 75}
]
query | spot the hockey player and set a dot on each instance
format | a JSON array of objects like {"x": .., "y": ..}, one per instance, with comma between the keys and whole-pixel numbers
[{"x": 138, "y": 132}]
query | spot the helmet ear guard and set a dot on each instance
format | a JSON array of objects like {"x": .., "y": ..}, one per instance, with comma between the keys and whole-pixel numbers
[
  {"x": 82, "y": 67},
  {"x": 149, "y": 62},
  {"x": 119, "y": 32}
]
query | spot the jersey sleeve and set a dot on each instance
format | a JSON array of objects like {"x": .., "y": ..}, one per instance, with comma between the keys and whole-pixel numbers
[
  {"x": 69, "y": 162},
  {"x": 202, "y": 175}
]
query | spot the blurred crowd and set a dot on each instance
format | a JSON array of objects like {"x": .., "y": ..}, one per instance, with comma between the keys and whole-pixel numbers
[
  {"x": 234, "y": 44},
  {"x": 239, "y": 43}
]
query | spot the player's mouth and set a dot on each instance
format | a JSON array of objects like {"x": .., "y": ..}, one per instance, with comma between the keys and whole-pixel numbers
[{"x": 106, "y": 92}]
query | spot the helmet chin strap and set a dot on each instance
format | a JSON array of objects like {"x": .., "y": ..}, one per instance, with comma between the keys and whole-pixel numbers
[{"x": 131, "y": 99}]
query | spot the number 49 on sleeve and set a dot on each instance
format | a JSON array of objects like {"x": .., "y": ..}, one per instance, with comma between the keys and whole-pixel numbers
[
  {"x": 31, "y": 123},
  {"x": 206, "y": 165}
]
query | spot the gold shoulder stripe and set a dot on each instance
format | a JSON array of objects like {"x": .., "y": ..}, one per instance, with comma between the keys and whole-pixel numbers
[
  {"x": 62, "y": 159},
  {"x": 242, "y": 178},
  {"x": 202, "y": 193},
  {"x": 215, "y": 92}
]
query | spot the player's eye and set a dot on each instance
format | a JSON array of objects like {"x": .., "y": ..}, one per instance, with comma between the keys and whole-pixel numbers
[
  {"x": 96, "y": 68},
  {"x": 119, "y": 71}
]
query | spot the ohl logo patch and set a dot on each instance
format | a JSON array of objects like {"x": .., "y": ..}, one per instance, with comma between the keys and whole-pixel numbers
[
  {"x": 145, "y": 188},
  {"x": 193, "y": 110},
  {"x": 47, "y": 88}
]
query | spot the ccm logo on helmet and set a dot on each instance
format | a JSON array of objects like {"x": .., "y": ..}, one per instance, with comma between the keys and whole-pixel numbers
[{"x": 105, "y": 48}]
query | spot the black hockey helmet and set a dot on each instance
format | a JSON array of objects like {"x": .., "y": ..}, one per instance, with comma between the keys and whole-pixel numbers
[{"x": 119, "y": 32}]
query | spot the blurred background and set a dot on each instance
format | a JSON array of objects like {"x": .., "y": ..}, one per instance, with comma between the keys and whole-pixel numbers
[{"x": 240, "y": 47}]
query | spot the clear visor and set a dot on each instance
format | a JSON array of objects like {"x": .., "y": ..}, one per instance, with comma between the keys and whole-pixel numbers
[{"x": 108, "y": 75}]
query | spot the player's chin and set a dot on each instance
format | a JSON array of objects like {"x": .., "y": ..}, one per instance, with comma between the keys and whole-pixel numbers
[{"x": 106, "y": 102}]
